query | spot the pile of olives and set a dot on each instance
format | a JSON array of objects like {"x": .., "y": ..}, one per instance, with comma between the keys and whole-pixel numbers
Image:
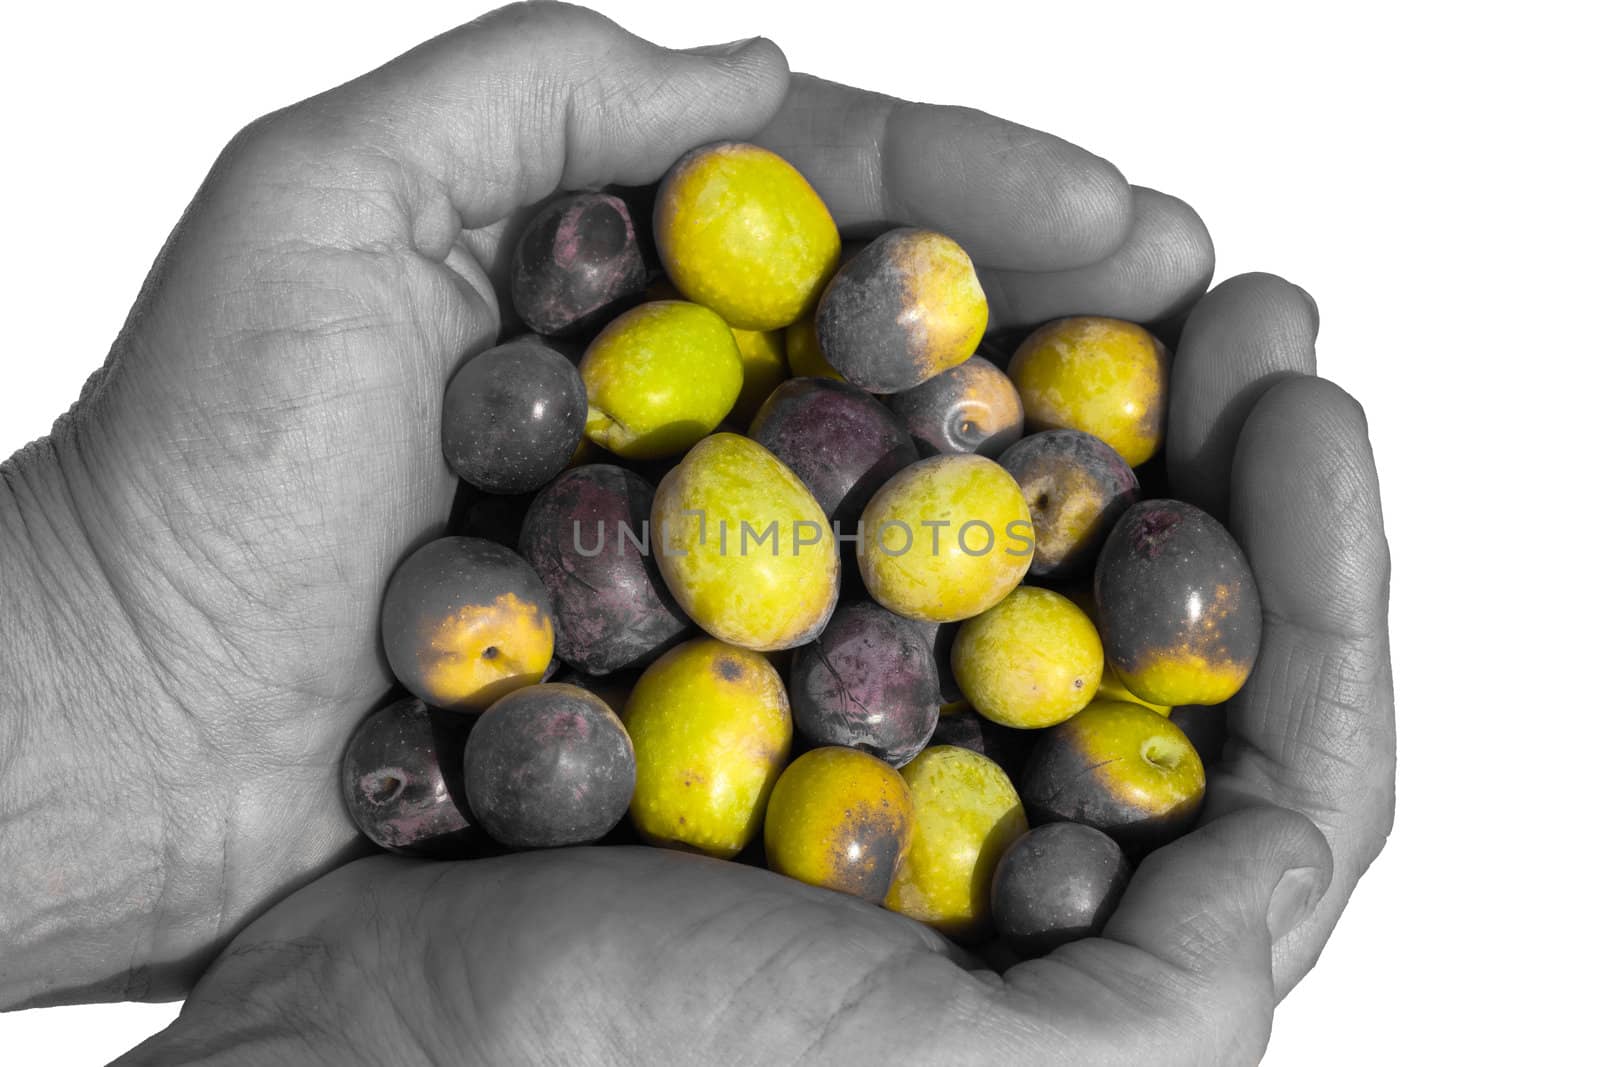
[{"x": 756, "y": 555}]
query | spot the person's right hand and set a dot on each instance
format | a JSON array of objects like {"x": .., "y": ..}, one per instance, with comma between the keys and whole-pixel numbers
[{"x": 642, "y": 955}]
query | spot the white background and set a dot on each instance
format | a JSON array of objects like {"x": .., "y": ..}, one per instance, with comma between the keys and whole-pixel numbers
[{"x": 1423, "y": 174}]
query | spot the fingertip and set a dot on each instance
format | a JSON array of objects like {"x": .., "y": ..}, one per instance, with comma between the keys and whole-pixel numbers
[
  {"x": 1014, "y": 197},
  {"x": 760, "y": 60},
  {"x": 1188, "y": 244},
  {"x": 1258, "y": 841},
  {"x": 1316, "y": 312},
  {"x": 1158, "y": 272},
  {"x": 1319, "y": 405},
  {"x": 1250, "y": 331}
]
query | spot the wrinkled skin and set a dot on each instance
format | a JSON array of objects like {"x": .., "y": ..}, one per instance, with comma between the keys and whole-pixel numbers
[{"x": 225, "y": 504}]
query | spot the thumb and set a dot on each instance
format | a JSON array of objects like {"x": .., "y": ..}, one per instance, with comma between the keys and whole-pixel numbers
[
  {"x": 531, "y": 98},
  {"x": 1184, "y": 966}
]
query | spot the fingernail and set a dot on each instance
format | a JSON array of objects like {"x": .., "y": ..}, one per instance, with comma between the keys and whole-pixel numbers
[
  {"x": 1295, "y": 897},
  {"x": 727, "y": 49}
]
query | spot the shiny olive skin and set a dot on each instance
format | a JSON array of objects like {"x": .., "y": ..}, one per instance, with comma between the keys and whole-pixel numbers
[
  {"x": 1056, "y": 883},
  {"x": 841, "y": 819},
  {"x": 1177, "y": 605},
  {"x": 840, "y": 440},
  {"x": 972, "y": 407},
  {"x": 402, "y": 784},
  {"x": 465, "y": 621},
  {"x": 1120, "y": 768},
  {"x": 577, "y": 264},
  {"x": 549, "y": 765},
  {"x": 584, "y": 534},
  {"x": 513, "y": 415},
  {"x": 869, "y": 682}
]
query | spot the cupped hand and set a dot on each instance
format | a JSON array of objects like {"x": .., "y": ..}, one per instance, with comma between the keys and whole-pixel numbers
[{"x": 613, "y": 955}]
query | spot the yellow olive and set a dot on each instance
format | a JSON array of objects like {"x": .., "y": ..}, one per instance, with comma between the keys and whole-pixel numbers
[
  {"x": 965, "y": 813},
  {"x": 744, "y": 546},
  {"x": 1030, "y": 661},
  {"x": 1103, "y": 376},
  {"x": 764, "y": 368},
  {"x": 711, "y": 731},
  {"x": 1178, "y": 607},
  {"x": 465, "y": 621},
  {"x": 803, "y": 354},
  {"x": 945, "y": 538},
  {"x": 659, "y": 378},
  {"x": 742, "y": 232},
  {"x": 905, "y": 308}
]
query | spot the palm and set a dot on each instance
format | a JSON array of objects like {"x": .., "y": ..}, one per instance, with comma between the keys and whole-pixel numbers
[{"x": 320, "y": 467}]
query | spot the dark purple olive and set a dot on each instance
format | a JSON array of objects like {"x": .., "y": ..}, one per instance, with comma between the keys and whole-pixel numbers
[
  {"x": 513, "y": 416},
  {"x": 972, "y": 407},
  {"x": 401, "y": 777},
  {"x": 841, "y": 441},
  {"x": 578, "y": 263},
  {"x": 1056, "y": 883},
  {"x": 549, "y": 765},
  {"x": 583, "y": 535},
  {"x": 1076, "y": 487},
  {"x": 867, "y": 682}
]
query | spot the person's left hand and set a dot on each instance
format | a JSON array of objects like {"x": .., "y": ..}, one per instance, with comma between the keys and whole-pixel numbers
[{"x": 229, "y": 497}]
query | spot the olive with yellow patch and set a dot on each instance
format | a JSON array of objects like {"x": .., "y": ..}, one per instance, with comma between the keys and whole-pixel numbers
[
  {"x": 1102, "y": 376},
  {"x": 711, "y": 732},
  {"x": 744, "y": 546},
  {"x": 905, "y": 308},
  {"x": 965, "y": 813},
  {"x": 972, "y": 407},
  {"x": 1113, "y": 688},
  {"x": 841, "y": 819},
  {"x": 1077, "y": 487},
  {"x": 1177, "y": 603},
  {"x": 945, "y": 538},
  {"x": 660, "y": 377},
  {"x": 1031, "y": 661},
  {"x": 1120, "y": 768},
  {"x": 742, "y": 232},
  {"x": 466, "y": 621},
  {"x": 765, "y": 368}
]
